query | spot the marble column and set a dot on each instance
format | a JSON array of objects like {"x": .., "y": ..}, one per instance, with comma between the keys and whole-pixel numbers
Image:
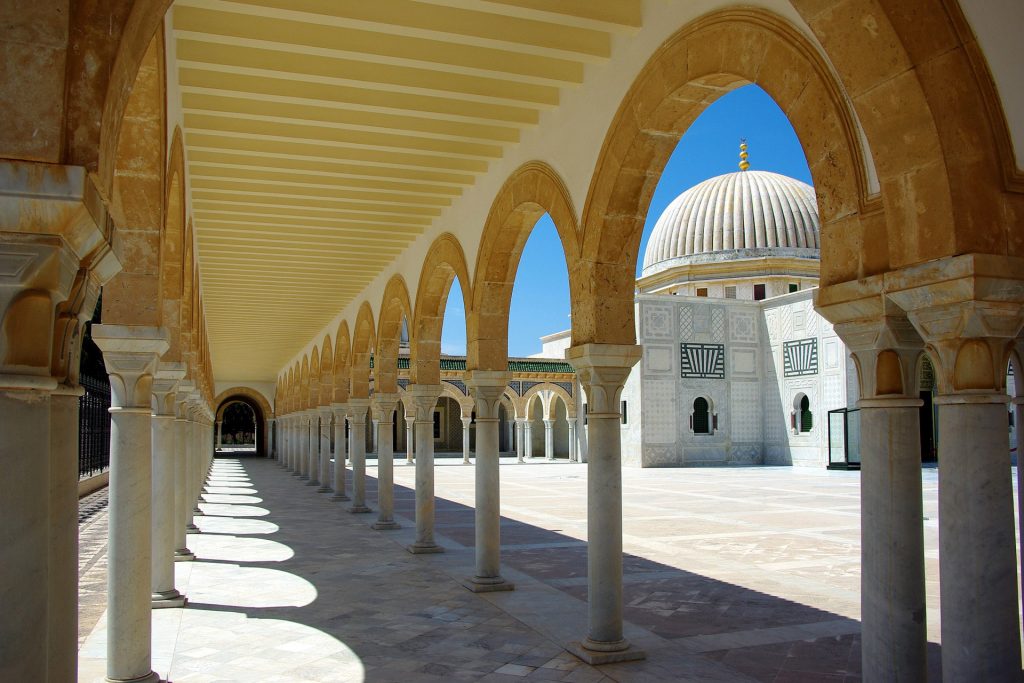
[
  {"x": 296, "y": 444},
  {"x": 357, "y": 409},
  {"x": 549, "y": 440},
  {"x": 302, "y": 456},
  {"x": 528, "y": 437},
  {"x": 164, "y": 457},
  {"x": 182, "y": 510},
  {"x": 1018, "y": 415},
  {"x": 62, "y": 613},
  {"x": 374, "y": 435},
  {"x": 520, "y": 439},
  {"x": 893, "y": 612},
  {"x": 325, "y": 449},
  {"x": 572, "y": 439},
  {"x": 409, "y": 438},
  {"x": 271, "y": 438},
  {"x": 190, "y": 463},
  {"x": 130, "y": 354},
  {"x": 603, "y": 369},
  {"x": 313, "y": 452},
  {"x": 339, "y": 410},
  {"x": 220, "y": 433},
  {"x": 384, "y": 416},
  {"x": 424, "y": 399},
  {"x": 465, "y": 439},
  {"x": 198, "y": 455},
  {"x": 487, "y": 389},
  {"x": 969, "y": 321}
]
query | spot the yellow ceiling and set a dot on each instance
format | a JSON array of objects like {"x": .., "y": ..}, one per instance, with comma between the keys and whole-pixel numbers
[{"x": 323, "y": 136}]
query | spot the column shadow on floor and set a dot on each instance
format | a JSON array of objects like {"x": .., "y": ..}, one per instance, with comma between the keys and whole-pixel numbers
[{"x": 761, "y": 636}]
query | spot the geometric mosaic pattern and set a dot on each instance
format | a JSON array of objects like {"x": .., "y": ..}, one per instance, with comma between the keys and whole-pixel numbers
[
  {"x": 800, "y": 357},
  {"x": 703, "y": 361}
]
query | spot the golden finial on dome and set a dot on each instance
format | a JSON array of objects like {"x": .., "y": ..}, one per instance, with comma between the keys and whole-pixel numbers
[{"x": 744, "y": 164}]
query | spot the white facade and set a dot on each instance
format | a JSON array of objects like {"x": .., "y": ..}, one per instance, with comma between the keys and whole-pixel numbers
[{"x": 753, "y": 362}]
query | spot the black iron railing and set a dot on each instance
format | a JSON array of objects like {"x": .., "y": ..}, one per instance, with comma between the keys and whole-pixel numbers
[{"x": 93, "y": 426}]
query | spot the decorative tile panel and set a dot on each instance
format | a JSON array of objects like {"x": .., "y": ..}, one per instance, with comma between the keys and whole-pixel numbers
[
  {"x": 659, "y": 412},
  {"x": 742, "y": 328},
  {"x": 800, "y": 357},
  {"x": 657, "y": 322},
  {"x": 717, "y": 325},
  {"x": 657, "y": 360},
  {"x": 743, "y": 362},
  {"x": 746, "y": 411},
  {"x": 702, "y": 361},
  {"x": 686, "y": 322}
]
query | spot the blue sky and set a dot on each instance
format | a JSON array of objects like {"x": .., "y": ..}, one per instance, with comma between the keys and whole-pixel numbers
[{"x": 540, "y": 299}]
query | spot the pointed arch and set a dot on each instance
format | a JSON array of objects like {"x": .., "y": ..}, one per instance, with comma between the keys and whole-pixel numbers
[
  {"x": 531, "y": 191},
  {"x": 363, "y": 343},
  {"x": 326, "y": 372},
  {"x": 304, "y": 384},
  {"x": 314, "y": 378},
  {"x": 702, "y": 61},
  {"x": 172, "y": 256},
  {"x": 342, "y": 363},
  {"x": 444, "y": 261},
  {"x": 132, "y": 297},
  {"x": 395, "y": 305}
]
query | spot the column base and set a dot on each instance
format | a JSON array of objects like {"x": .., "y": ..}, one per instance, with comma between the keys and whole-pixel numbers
[
  {"x": 197, "y": 512},
  {"x": 304, "y": 477},
  {"x": 296, "y": 473},
  {"x": 385, "y": 526},
  {"x": 597, "y": 653},
  {"x": 359, "y": 509},
  {"x": 410, "y": 462},
  {"x": 165, "y": 599},
  {"x": 312, "y": 482},
  {"x": 424, "y": 548},
  {"x": 325, "y": 489},
  {"x": 191, "y": 529},
  {"x": 339, "y": 497},
  {"x": 151, "y": 677},
  {"x": 488, "y": 584},
  {"x": 184, "y": 555}
]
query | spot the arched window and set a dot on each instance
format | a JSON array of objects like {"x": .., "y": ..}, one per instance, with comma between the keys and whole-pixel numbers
[
  {"x": 703, "y": 419},
  {"x": 806, "y": 418},
  {"x": 801, "y": 419}
]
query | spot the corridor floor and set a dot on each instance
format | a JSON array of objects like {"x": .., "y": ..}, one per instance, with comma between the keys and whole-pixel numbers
[{"x": 730, "y": 575}]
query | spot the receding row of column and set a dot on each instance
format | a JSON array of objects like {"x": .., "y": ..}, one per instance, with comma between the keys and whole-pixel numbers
[{"x": 603, "y": 370}]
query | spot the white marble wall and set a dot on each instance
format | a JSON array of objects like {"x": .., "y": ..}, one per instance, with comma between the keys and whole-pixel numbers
[{"x": 754, "y": 399}]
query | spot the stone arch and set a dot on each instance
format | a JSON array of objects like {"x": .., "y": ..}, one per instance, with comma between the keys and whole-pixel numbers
[
  {"x": 549, "y": 406},
  {"x": 395, "y": 304},
  {"x": 172, "y": 256},
  {"x": 531, "y": 191},
  {"x": 464, "y": 402},
  {"x": 363, "y": 343},
  {"x": 694, "y": 67},
  {"x": 186, "y": 305},
  {"x": 518, "y": 405},
  {"x": 444, "y": 262},
  {"x": 326, "y": 372},
  {"x": 921, "y": 86},
  {"x": 342, "y": 363},
  {"x": 139, "y": 30},
  {"x": 254, "y": 399},
  {"x": 137, "y": 195},
  {"x": 303, "y": 401},
  {"x": 314, "y": 378}
]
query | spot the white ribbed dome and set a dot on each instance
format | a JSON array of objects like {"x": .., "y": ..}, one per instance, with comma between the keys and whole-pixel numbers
[{"x": 748, "y": 210}]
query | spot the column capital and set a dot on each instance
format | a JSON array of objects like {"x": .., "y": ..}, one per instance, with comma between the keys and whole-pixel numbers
[
  {"x": 887, "y": 349},
  {"x": 130, "y": 353},
  {"x": 487, "y": 387},
  {"x": 165, "y": 388},
  {"x": 339, "y": 410},
  {"x": 357, "y": 409},
  {"x": 602, "y": 370},
  {"x": 423, "y": 398},
  {"x": 324, "y": 411},
  {"x": 384, "y": 406},
  {"x": 37, "y": 273}
]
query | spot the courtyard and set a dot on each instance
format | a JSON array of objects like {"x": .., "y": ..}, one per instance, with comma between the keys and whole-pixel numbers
[{"x": 730, "y": 574}]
